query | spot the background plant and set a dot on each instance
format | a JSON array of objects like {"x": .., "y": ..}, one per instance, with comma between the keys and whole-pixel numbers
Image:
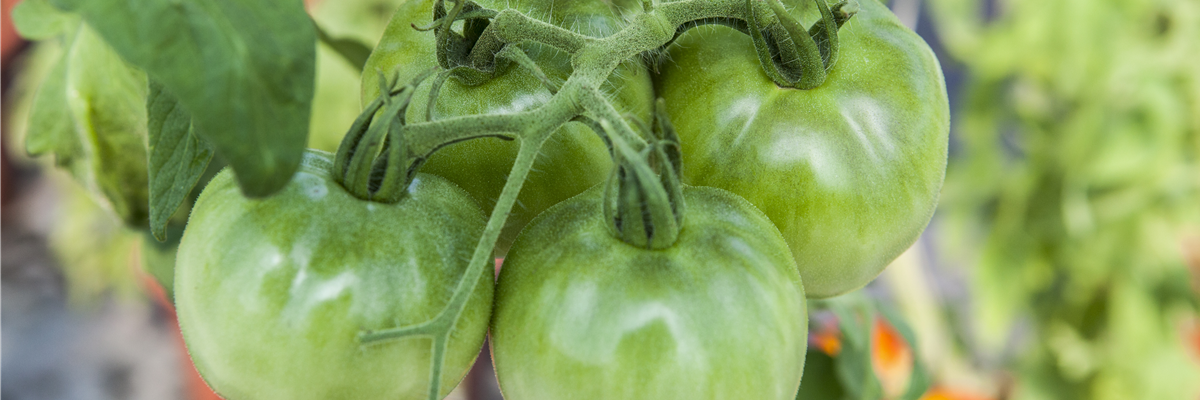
[{"x": 1074, "y": 191}]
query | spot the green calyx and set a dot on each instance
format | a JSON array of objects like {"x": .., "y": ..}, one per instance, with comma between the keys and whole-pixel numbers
[
  {"x": 373, "y": 162},
  {"x": 482, "y": 48},
  {"x": 792, "y": 56},
  {"x": 643, "y": 201},
  {"x": 462, "y": 53}
]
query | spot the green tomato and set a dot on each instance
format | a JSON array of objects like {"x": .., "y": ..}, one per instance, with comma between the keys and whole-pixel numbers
[
  {"x": 272, "y": 293},
  {"x": 580, "y": 314},
  {"x": 850, "y": 171},
  {"x": 573, "y": 160}
]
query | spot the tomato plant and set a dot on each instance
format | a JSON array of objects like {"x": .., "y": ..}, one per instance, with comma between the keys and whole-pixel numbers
[
  {"x": 849, "y": 171},
  {"x": 718, "y": 315},
  {"x": 324, "y": 282},
  {"x": 1085, "y": 232},
  {"x": 278, "y": 310}
]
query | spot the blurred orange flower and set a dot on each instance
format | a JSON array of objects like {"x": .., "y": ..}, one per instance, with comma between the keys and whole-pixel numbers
[
  {"x": 942, "y": 393},
  {"x": 891, "y": 357},
  {"x": 827, "y": 339}
]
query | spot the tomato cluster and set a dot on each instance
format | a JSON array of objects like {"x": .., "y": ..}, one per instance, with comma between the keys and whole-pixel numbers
[{"x": 771, "y": 192}]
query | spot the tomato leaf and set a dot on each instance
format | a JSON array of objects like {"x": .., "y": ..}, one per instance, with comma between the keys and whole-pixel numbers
[
  {"x": 353, "y": 51},
  {"x": 51, "y": 127},
  {"x": 243, "y": 69},
  {"x": 38, "y": 20},
  {"x": 90, "y": 113},
  {"x": 178, "y": 157}
]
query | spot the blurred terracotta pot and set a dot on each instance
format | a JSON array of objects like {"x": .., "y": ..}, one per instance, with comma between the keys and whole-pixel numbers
[{"x": 194, "y": 385}]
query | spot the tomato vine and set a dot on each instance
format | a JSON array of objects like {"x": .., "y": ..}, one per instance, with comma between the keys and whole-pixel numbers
[
  {"x": 794, "y": 57},
  {"x": 250, "y": 107}
]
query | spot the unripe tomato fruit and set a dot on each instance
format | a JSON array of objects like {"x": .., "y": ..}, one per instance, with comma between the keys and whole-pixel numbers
[
  {"x": 849, "y": 171},
  {"x": 271, "y": 293},
  {"x": 580, "y": 314}
]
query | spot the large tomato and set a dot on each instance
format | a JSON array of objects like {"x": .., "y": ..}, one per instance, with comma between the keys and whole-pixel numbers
[
  {"x": 850, "y": 171},
  {"x": 272, "y": 293},
  {"x": 580, "y": 314},
  {"x": 573, "y": 160}
]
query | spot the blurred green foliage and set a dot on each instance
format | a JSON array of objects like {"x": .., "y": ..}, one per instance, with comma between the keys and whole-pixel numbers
[{"x": 1074, "y": 189}]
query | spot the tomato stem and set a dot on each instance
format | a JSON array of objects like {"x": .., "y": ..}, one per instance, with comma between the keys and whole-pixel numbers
[
  {"x": 642, "y": 208},
  {"x": 648, "y": 202},
  {"x": 594, "y": 59},
  {"x": 441, "y": 326}
]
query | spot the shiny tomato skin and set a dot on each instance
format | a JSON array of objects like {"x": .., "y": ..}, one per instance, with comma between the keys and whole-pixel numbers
[
  {"x": 574, "y": 159},
  {"x": 850, "y": 171},
  {"x": 581, "y": 314},
  {"x": 272, "y": 293}
]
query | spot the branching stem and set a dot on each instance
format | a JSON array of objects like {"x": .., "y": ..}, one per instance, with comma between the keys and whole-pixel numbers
[{"x": 593, "y": 60}]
